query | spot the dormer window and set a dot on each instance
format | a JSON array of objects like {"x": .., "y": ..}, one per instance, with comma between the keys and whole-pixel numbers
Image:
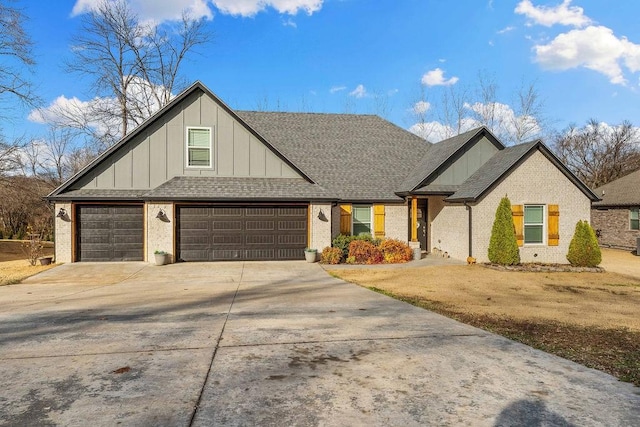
[{"x": 199, "y": 147}]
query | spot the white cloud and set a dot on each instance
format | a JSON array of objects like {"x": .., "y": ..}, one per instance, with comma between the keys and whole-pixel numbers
[
  {"x": 501, "y": 118},
  {"x": 359, "y": 92},
  {"x": 436, "y": 131},
  {"x": 171, "y": 10},
  {"x": 595, "y": 48},
  {"x": 436, "y": 78},
  {"x": 421, "y": 107},
  {"x": 335, "y": 89},
  {"x": 75, "y": 113},
  {"x": 252, "y": 7},
  {"x": 506, "y": 30},
  {"x": 290, "y": 23},
  {"x": 392, "y": 92},
  {"x": 154, "y": 11},
  {"x": 563, "y": 14}
]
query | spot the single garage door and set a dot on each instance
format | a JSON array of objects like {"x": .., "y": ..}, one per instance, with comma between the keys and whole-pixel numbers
[
  {"x": 214, "y": 233},
  {"x": 110, "y": 233}
]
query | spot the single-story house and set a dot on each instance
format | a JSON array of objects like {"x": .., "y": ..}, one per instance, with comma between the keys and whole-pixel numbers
[
  {"x": 205, "y": 182},
  {"x": 616, "y": 217}
]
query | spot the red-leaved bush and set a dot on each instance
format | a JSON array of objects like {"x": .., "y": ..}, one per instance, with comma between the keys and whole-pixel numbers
[
  {"x": 331, "y": 255},
  {"x": 364, "y": 252},
  {"x": 395, "y": 251}
]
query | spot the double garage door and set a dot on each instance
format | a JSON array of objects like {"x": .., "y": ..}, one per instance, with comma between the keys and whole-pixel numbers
[
  {"x": 203, "y": 233},
  {"x": 213, "y": 233}
]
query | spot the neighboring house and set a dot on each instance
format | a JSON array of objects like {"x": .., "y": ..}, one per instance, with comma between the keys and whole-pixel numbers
[
  {"x": 204, "y": 182},
  {"x": 615, "y": 218}
]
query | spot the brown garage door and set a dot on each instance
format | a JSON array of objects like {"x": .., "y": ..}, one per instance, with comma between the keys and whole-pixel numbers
[
  {"x": 110, "y": 233},
  {"x": 214, "y": 233}
]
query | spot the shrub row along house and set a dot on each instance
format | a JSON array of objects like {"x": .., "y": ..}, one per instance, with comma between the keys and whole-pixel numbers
[
  {"x": 616, "y": 217},
  {"x": 204, "y": 183}
]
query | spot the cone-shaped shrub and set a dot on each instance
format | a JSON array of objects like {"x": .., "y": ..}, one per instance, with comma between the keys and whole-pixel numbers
[
  {"x": 583, "y": 249},
  {"x": 503, "y": 246}
]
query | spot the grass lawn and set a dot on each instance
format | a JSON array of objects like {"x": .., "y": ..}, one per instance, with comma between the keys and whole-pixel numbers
[
  {"x": 14, "y": 266},
  {"x": 590, "y": 318}
]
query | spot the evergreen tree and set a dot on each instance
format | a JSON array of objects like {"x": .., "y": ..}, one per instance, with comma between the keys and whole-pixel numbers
[
  {"x": 503, "y": 246},
  {"x": 583, "y": 249}
]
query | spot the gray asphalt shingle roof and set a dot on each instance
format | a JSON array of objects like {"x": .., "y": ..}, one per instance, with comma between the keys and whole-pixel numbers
[
  {"x": 230, "y": 188},
  {"x": 355, "y": 157},
  {"x": 99, "y": 194},
  {"x": 623, "y": 191}
]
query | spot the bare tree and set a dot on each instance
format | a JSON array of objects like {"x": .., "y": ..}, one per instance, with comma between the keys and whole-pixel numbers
[
  {"x": 138, "y": 65},
  {"x": 457, "y": 109},
  {"x": 598, "y": 153},
  {"x": 15, "y": 55}
]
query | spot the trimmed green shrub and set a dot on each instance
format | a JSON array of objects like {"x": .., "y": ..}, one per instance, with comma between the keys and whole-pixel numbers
[
  {"x": 331, "y": 255},
  {"x": 583, "y": 249},
  {"x": 395, "y": 251},
  {"x": 365, "y": 252},
  {"x": 503, "y": 246}
]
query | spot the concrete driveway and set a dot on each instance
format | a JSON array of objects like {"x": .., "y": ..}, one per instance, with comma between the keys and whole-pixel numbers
[{"x": 279, "y": 343}]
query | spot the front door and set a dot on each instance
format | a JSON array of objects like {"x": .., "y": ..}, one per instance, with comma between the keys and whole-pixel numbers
[{"x": 422, "y": 223}]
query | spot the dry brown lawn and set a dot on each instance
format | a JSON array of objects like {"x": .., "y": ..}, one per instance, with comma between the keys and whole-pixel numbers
[
  {"x": 587, "y": 299},
  {"x": 14, "y": 266},
  {"x": 591, "y": 318}
]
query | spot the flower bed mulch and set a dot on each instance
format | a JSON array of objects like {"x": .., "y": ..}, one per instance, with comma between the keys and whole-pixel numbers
[{"x": 539, "y": 267}]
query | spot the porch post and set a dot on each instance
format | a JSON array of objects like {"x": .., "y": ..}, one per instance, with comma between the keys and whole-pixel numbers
[{"x": 414, "y": 219}]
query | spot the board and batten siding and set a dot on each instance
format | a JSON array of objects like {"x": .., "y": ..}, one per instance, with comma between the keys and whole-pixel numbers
[
  {"x": 467, "y": 163},
  {"x": 158, "y": 154}
]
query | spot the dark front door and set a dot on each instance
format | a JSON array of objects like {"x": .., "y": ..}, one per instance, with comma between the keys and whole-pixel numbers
[
  {"x": 422, "y": 223},
  {"x": 109, "y": 233},
  {"x": 214, "y": 233}
]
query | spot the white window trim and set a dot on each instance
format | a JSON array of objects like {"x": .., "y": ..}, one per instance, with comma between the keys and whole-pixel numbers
[
  {"x": 630, "y": 219},
  {"x": 371, "y": 231},
  {"x": 544, "y": 224},
  {"x": 186, "y": 147}
]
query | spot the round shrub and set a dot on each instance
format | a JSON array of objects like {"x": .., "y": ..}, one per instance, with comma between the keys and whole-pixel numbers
[
  {"x": 395, "y": 251},
  {"x": 583, "y": 249},
  {"x": 365, "y": 252},
  {"x": 331, "y": 255}
]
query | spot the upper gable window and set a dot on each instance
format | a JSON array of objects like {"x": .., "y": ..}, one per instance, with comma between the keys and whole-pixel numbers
[{"x": 199, "y": 147}]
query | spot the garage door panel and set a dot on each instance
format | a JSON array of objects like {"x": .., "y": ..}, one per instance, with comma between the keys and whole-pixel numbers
[
  {"x": 260, "y": 239},
  {"x": 292, "y": 225},
  {"x": 242, "y": 233},
  {"x": 227, "y": 225},
  {"x": 109, "y": 233},
  {"x": 260, "y": 225}
]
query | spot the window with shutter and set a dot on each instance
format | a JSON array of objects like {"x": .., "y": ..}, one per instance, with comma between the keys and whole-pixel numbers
[
  {"x": 533, "y": 224},
  {"x": 361, "y": 215}
]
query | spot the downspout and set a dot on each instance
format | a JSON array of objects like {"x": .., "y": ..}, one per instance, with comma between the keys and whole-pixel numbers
[{"x": 470, "y": 229}]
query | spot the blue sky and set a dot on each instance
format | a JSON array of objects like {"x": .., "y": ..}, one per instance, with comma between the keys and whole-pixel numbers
[{"x": 377, "y": 56}]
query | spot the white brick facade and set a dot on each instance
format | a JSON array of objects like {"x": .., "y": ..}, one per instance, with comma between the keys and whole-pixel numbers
[
  {"x": 536, "y": 181},
  {"x": 321, "y": 225},
  {"x": 159, "y": 233},
  {"x": 396, "y": 222},
  {"x": 63, "y": 233},
  {"x": 450, "y": 229}
]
